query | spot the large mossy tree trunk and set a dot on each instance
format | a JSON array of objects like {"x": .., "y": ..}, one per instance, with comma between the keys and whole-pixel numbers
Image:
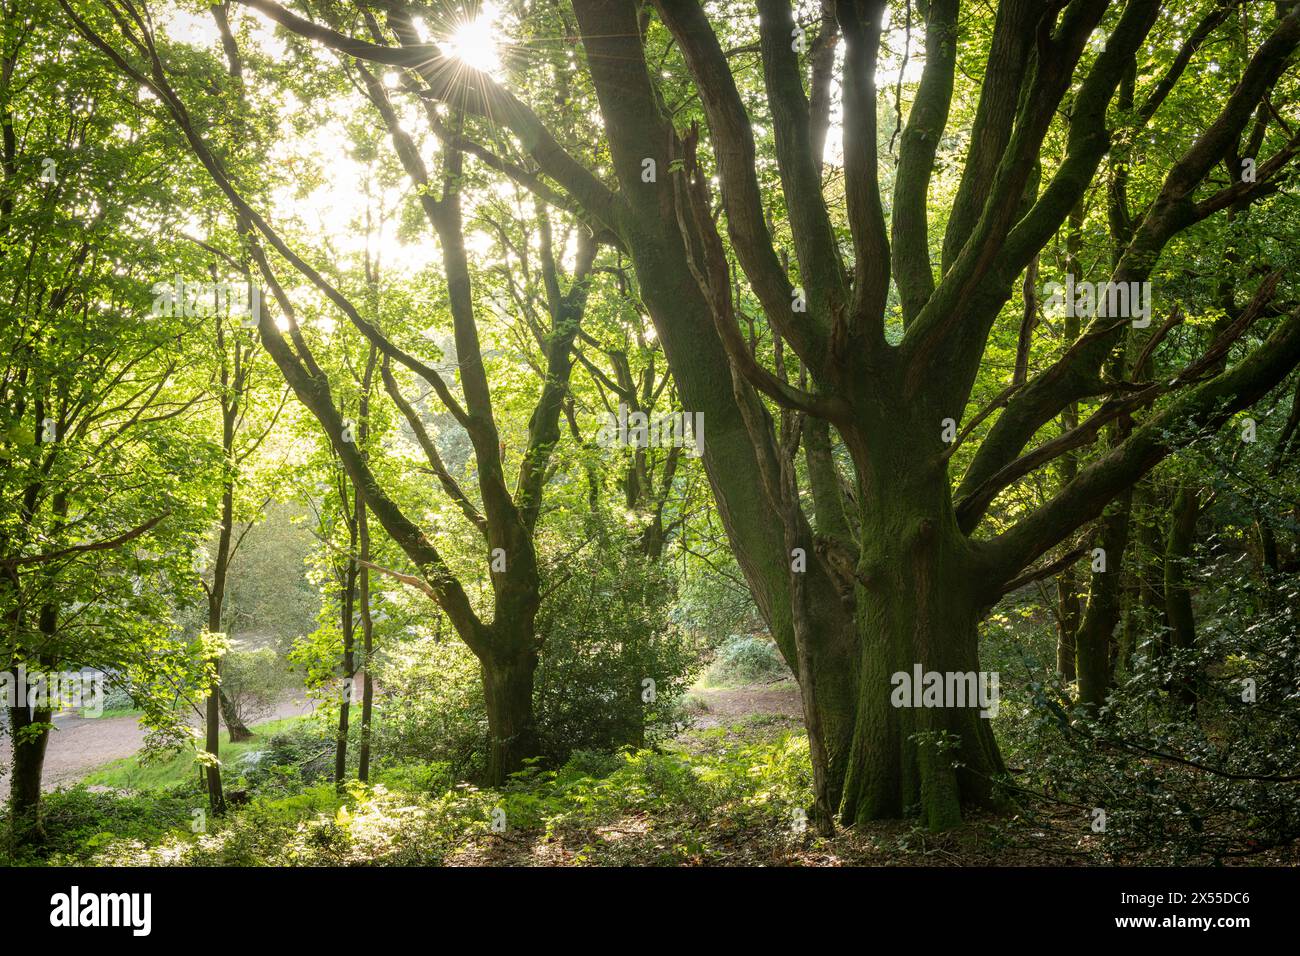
[
  {"x": 903, "y": 759},
  {"x": 508, "y": 699},
  {"x": 920, "y": 598}
]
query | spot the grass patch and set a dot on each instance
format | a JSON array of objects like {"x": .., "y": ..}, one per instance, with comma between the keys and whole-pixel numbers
[
  {"x": 129, "y": 773},
  {"x": 112, "y": 712}
]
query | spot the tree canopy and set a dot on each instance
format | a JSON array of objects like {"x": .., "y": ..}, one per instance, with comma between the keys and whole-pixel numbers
[{"x": 561, "y": 348}]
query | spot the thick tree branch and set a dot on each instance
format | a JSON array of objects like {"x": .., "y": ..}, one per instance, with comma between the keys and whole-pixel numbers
[
  {"x": 860, "y": 22},
  {"x": 451, "y": 82},
  {"x": 1076, "y": 373},
  {"x": 1201, "y": 410},
  {"x": 734, "y": 153},
  {"x": 920, "y": 140},
  {"x": 810, "y": 225}
]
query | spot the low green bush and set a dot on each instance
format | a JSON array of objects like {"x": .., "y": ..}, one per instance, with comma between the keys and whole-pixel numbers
[
  {"x": 746, "y": 659},
  {"x": 254, "y": 681},
  {"x": 612, "y": 673}
]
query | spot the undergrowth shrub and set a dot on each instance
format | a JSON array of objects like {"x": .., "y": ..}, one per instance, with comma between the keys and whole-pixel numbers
[
  {"x": 746, "y": 659},
  {"x": 611, "y": 674}
]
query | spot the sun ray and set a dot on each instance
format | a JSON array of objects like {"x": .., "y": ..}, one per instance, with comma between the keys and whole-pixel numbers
[{"x": 474, "y": 41}]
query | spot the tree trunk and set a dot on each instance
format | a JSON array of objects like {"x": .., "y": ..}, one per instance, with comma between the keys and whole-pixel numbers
[
  {"x": 28, "y": 763},
  {"x": 1067, "y": 625},
  {"x": 216, "y": 600},
  {"x": 508, "y": 695},
  {"x": 1067, "y": 584},
  {"x": 919, "y": 605},
  {"x": 1129, "y": 628},
  {"x": 1069, "y": 606},
  {"x": 1178, "y": 596},
  {"x": 29, "y": 754},
  {"x": 367, "y": 643},
  {"x": 909, "y": 621},
  {"x": 1104, "y": 607},
  {"x": 349, "y": 663},
  {"x": 235, "y": 726},
  {"x": 212, "y": 744},
  {"x": 1148, "y": 566}
]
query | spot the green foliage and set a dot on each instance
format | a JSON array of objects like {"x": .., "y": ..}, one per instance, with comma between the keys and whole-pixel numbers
[
  {"x": 297, "y": 754},
  {"x": 605, "y": 633},
  {"x": 613, "y": 668},
  {"x": 158, "y": 425},
  {"x": 746, "y": 659},
  {"x": 81, "y": 823},
  {"x": 431, "y": 705},
  {"x": 268, "y": 594},
  {"x": 254, "y": 682},
  {"x": 161, "y": 768},
  {"x": 1207, "y": 784}
]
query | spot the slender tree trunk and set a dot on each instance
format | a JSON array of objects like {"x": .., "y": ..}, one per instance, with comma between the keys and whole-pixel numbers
[
  {"x": 1067, "y": 584},
  {"x": 823, "y": 809},
  {"x": 28, "y": 762},
  {"x": 216, "y": 598},
  {"x": 1067, "y": 625},
  {"x": 367, "y": 644},
  {"x": 1267, "y": 544},
  {"x": 349, "y": 662},
  {"x": 361, "y": 544},
  {"x": 1104, "y": 607},
  {"x": 212, "y": 744},
  {"x": 1129, "y": 628},
  {"x": 1069, "y": 606},
  {"x": 1178, "y": 595},
  {"x": 1096, "y": 645}
]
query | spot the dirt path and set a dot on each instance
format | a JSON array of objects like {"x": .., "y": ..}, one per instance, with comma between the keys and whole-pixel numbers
[
  {"x": 79, "y": 744},
  {"x": 728, "y": 705}
]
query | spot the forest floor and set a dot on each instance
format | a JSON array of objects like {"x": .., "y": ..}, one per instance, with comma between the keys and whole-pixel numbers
[
  {"x": 722, "y": 720},
  {"x": 719, "y": 706},
  {"x": 731, "y": 718},
  {"x": 728, "y": 790}
]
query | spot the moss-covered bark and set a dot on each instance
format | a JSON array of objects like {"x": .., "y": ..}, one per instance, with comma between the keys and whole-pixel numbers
[{"x": 508, "y": 696}]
